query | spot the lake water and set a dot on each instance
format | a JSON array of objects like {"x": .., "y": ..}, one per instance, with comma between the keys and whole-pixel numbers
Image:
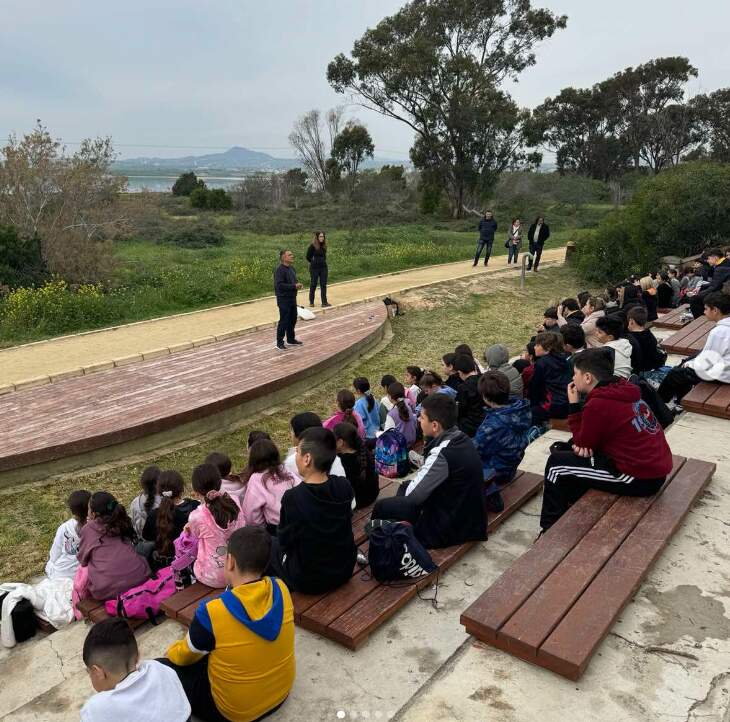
[{"x": 163, "y": 183}]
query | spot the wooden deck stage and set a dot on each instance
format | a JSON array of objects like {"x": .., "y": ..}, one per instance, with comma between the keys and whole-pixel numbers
[{"x": 85, "y": 414}]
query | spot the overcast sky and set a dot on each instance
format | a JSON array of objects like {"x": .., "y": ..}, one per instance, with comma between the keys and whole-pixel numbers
[{"x": 183, "y": 77}]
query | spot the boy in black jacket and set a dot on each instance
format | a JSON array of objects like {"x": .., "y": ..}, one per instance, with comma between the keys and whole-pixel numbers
[
  {"x": 445, "y": 500},
  {"x": 314, "y": 551},
  {"x": 471, "y": 409},
  {"x": 650, "y": 356}
]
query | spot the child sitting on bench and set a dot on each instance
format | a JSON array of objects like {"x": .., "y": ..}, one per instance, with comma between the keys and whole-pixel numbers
[
  {"x": 315, "y": 551},
  {"x": 63, "y": 558},
  {"x": 650, "y": 364},
  {"x": 128, "y": 690},
  {"x": 618, "y": 445},
  {"x": 710, "y": 364},
  {"x": 298, "y": 424},
  {"x": 445, "y": 499},
  {"x": 106, "y": 549},
  {"x": 345, "y": 412},
  {"x": 232, "y": 485},
  {"x": 237, "y": 660},
  {"x": 610, "y": 332},
  {"x": 502, "y": 438},
  {"x": 470, "y": 404},
  {"x": 549, "y": 379}
]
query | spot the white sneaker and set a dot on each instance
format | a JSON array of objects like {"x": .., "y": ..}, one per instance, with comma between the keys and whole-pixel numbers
[{"x": 416, "y": 459}]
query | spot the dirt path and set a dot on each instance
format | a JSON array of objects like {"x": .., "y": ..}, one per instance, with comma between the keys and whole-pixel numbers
[{"x": 37, "y": 363}]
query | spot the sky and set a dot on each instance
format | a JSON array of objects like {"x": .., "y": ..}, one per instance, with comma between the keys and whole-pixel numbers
[{"x": 183, "y": 77}]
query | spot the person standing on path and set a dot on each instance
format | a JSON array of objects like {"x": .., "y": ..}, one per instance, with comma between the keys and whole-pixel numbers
[
  {"x": 537, "y": 234},
  {"x": 285, "y": 288},
  {"x": 317, "y": 260},
  {"x": 487, "y": 229},
  {"x": 514, "y": 241}
]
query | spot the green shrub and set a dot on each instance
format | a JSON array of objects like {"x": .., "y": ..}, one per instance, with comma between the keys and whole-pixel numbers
[
  {"x": 197, "y": 235},
  {"x": 21, "y": 262},
  {"x": 56, "y": 308},
  {"x": 186, "y": 184},
  {"x": 199, "y": 198},
  {"x": 219, "y": 200}
]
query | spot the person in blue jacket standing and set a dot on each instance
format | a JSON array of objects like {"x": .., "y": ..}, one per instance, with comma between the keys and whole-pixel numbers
[{"x": 487, "y": 229}]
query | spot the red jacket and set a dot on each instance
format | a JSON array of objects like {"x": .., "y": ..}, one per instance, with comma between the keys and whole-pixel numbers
[{"x": 617, "y": 423}]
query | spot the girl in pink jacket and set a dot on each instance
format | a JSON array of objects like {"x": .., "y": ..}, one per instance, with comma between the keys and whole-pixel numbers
[
  {"x": 213, "y": 522},
  {"x": 346, "y": 412},
  {"x": 266, "y": 485}
]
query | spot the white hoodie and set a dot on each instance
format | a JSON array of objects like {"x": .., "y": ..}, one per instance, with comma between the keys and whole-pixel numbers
[
  {"x": 62, "y": 559},
  {"x": 622, "y": 357},
  {"x": 713, "y": 362}
]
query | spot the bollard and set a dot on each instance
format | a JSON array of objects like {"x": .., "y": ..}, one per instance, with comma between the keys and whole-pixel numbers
[{"x": 525, "y": 257}]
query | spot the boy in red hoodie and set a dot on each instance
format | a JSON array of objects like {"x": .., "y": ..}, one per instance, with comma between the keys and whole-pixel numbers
[{"x": 617, "y": 446}]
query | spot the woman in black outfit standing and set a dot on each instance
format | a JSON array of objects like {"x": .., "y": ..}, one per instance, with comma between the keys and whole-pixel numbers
[{"x": 317, "y": 259}]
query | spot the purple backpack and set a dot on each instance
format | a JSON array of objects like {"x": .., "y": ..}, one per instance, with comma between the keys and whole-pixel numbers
[{"x": 145, "y": 600}]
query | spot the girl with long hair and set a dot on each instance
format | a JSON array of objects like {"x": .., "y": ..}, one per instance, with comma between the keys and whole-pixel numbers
[
  {"x": 213, "y": 522},
  {"x": 345, "y": 412},
  {"x": 318, "y": 271},
  {"x": 107, "y": 549},
  {"x": 514, "y": 241},
  {"x": 402, "y": 416},
  {"x": 267, "y": 483},
  {"x": 147, "y": 500},
  {"x": 411, "y": 381},
  {"x": 165, "y": 524},
  {"x": 63, "y": 557},
  {"x": 359, "y": 464},
  {"x": 367, "y": 408}
]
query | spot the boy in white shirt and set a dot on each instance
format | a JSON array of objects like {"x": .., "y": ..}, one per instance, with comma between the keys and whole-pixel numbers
[
  {"x": 710, "y": 364},
  {"x": 609, "y": 332},
  {"x": 128, "y": 690},
  {"x": 63, "y": 557},
  {"x": 297, "y": 426}
]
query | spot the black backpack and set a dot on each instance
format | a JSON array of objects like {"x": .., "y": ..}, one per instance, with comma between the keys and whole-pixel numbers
[
  {"x": 22, "y": 618},
  {"x": 395, "y": 554},
  {"x": 652, "y": 399}
]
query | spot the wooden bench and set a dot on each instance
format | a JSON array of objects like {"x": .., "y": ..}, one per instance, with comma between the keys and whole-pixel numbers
[
  {"x": 557, "y": 602},
  {"x": 559, "y": 424},
  {"x": 673, "y": 318},
  {"x": 690, "y": 339},
  {"x": 351, "y": 613},
  {"x": 710, "y": 399},
  {"x": 93, "y": 611}
]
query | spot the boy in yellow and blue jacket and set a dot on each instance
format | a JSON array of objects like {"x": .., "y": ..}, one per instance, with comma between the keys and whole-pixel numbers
[{"x": 237, "y": 661}]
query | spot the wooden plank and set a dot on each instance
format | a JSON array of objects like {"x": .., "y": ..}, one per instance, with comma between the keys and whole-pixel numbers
[
  {"x": 571, "y": 645},
  {"x": 710, "y": 399},
  {"x": 184, "y": 598},
  {"x": 690, "y": 339},
  {"x": 354, "y": 626},
  {"x": 185, "y": 615},
  {"x": 673, "y": 319},
  {"x": 489, "y": 612},
  {"x": 541, "y": 613}
]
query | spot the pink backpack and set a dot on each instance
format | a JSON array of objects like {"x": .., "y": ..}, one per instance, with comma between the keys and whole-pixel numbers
[{"x": 144, "y": 601}]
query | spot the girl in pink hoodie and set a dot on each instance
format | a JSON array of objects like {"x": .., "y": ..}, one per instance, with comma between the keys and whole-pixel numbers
[
  {"x": 346, "y": 412},
  {"x": 213, "y": 522},
  {"x": 266, "y": 485}
]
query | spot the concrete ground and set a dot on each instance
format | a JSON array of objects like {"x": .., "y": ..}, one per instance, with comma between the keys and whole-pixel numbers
[
  {"x": 38, "y": 363},
  {"x": 667, "y": 658}
]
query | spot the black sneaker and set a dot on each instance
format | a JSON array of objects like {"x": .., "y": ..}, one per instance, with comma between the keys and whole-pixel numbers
[
  {"x": 295, "y": 343},
  {"x": 326, "y": 305},
  {"x": 280, "y": 347}
]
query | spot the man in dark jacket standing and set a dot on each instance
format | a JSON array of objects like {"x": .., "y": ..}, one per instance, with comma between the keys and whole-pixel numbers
[
  {"x": 285, "y": 288},
  {"x": 720, "y": 274},
  {"x": 445, "y": 500},
  {"x": 537, "y": 234},
  {"x": 487, "y": 229}
]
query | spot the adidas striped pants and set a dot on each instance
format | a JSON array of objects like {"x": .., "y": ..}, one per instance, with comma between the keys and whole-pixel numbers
[{"x": 568, "y": 476}]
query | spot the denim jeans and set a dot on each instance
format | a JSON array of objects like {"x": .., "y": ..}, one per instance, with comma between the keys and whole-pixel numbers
[
  {"x": 483, "y": 245},
  {"x": 512, "y": 252}
]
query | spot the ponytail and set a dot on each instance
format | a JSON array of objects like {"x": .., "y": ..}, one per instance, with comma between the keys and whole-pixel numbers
[
  {"x": 207, "y": 482},
  {"x": 78, "y": 504},
  {"x": 416, "y": 372},
  {"x": 346, "y": 403},
  {"x": 397, "y": 394},
  {"x": 170, "y": 487},
  {"x": 362, "y": 385},
  {"x": 148, "y": 482}
]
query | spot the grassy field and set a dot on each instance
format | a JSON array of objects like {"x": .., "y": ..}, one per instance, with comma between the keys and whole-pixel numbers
[
  {"x": 154, "y": 278},
  {"x": 435, "y": 320}
]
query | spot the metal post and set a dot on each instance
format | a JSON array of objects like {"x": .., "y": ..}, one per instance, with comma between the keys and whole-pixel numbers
[{"x": 525, "y": 256}]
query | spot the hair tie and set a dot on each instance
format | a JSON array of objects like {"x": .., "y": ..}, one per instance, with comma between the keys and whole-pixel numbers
[
  {"x": 167, "y": 494},
  {"x": 212, "y": 494},
  {"x": 111, "y": 506}
]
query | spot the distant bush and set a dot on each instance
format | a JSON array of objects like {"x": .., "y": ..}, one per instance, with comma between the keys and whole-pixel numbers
[
  {"x": 195, "y": 235},
  {"x": 21, "y": 261},
  {"x": 186, "y": 184},
  {"x": 214, "y": 199}
]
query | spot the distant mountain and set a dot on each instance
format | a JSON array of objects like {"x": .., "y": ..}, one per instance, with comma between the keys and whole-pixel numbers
[{"x": 234, "y": 159}]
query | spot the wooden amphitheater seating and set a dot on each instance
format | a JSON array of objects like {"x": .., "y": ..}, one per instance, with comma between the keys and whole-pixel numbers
[
  {"x": 673, "y": 318},
  {"x": 690, "y": 339},
  {"x": 94, "y": 611},
  {"x": 710, "y": 399},
  {"x": 351, "y": 613},
  {"x": 557, "y": 602}
]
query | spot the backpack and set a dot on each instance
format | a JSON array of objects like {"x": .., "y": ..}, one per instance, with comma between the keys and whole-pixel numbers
[
  {"x": 145, "y": 600},
  {"x": 391, "y": 454},
  {"x": 22, "y": 618},
  {"x": 395, "y": 553},
  {"x": 392, "y": 307},
  {"x": 652, "y": 399}
]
